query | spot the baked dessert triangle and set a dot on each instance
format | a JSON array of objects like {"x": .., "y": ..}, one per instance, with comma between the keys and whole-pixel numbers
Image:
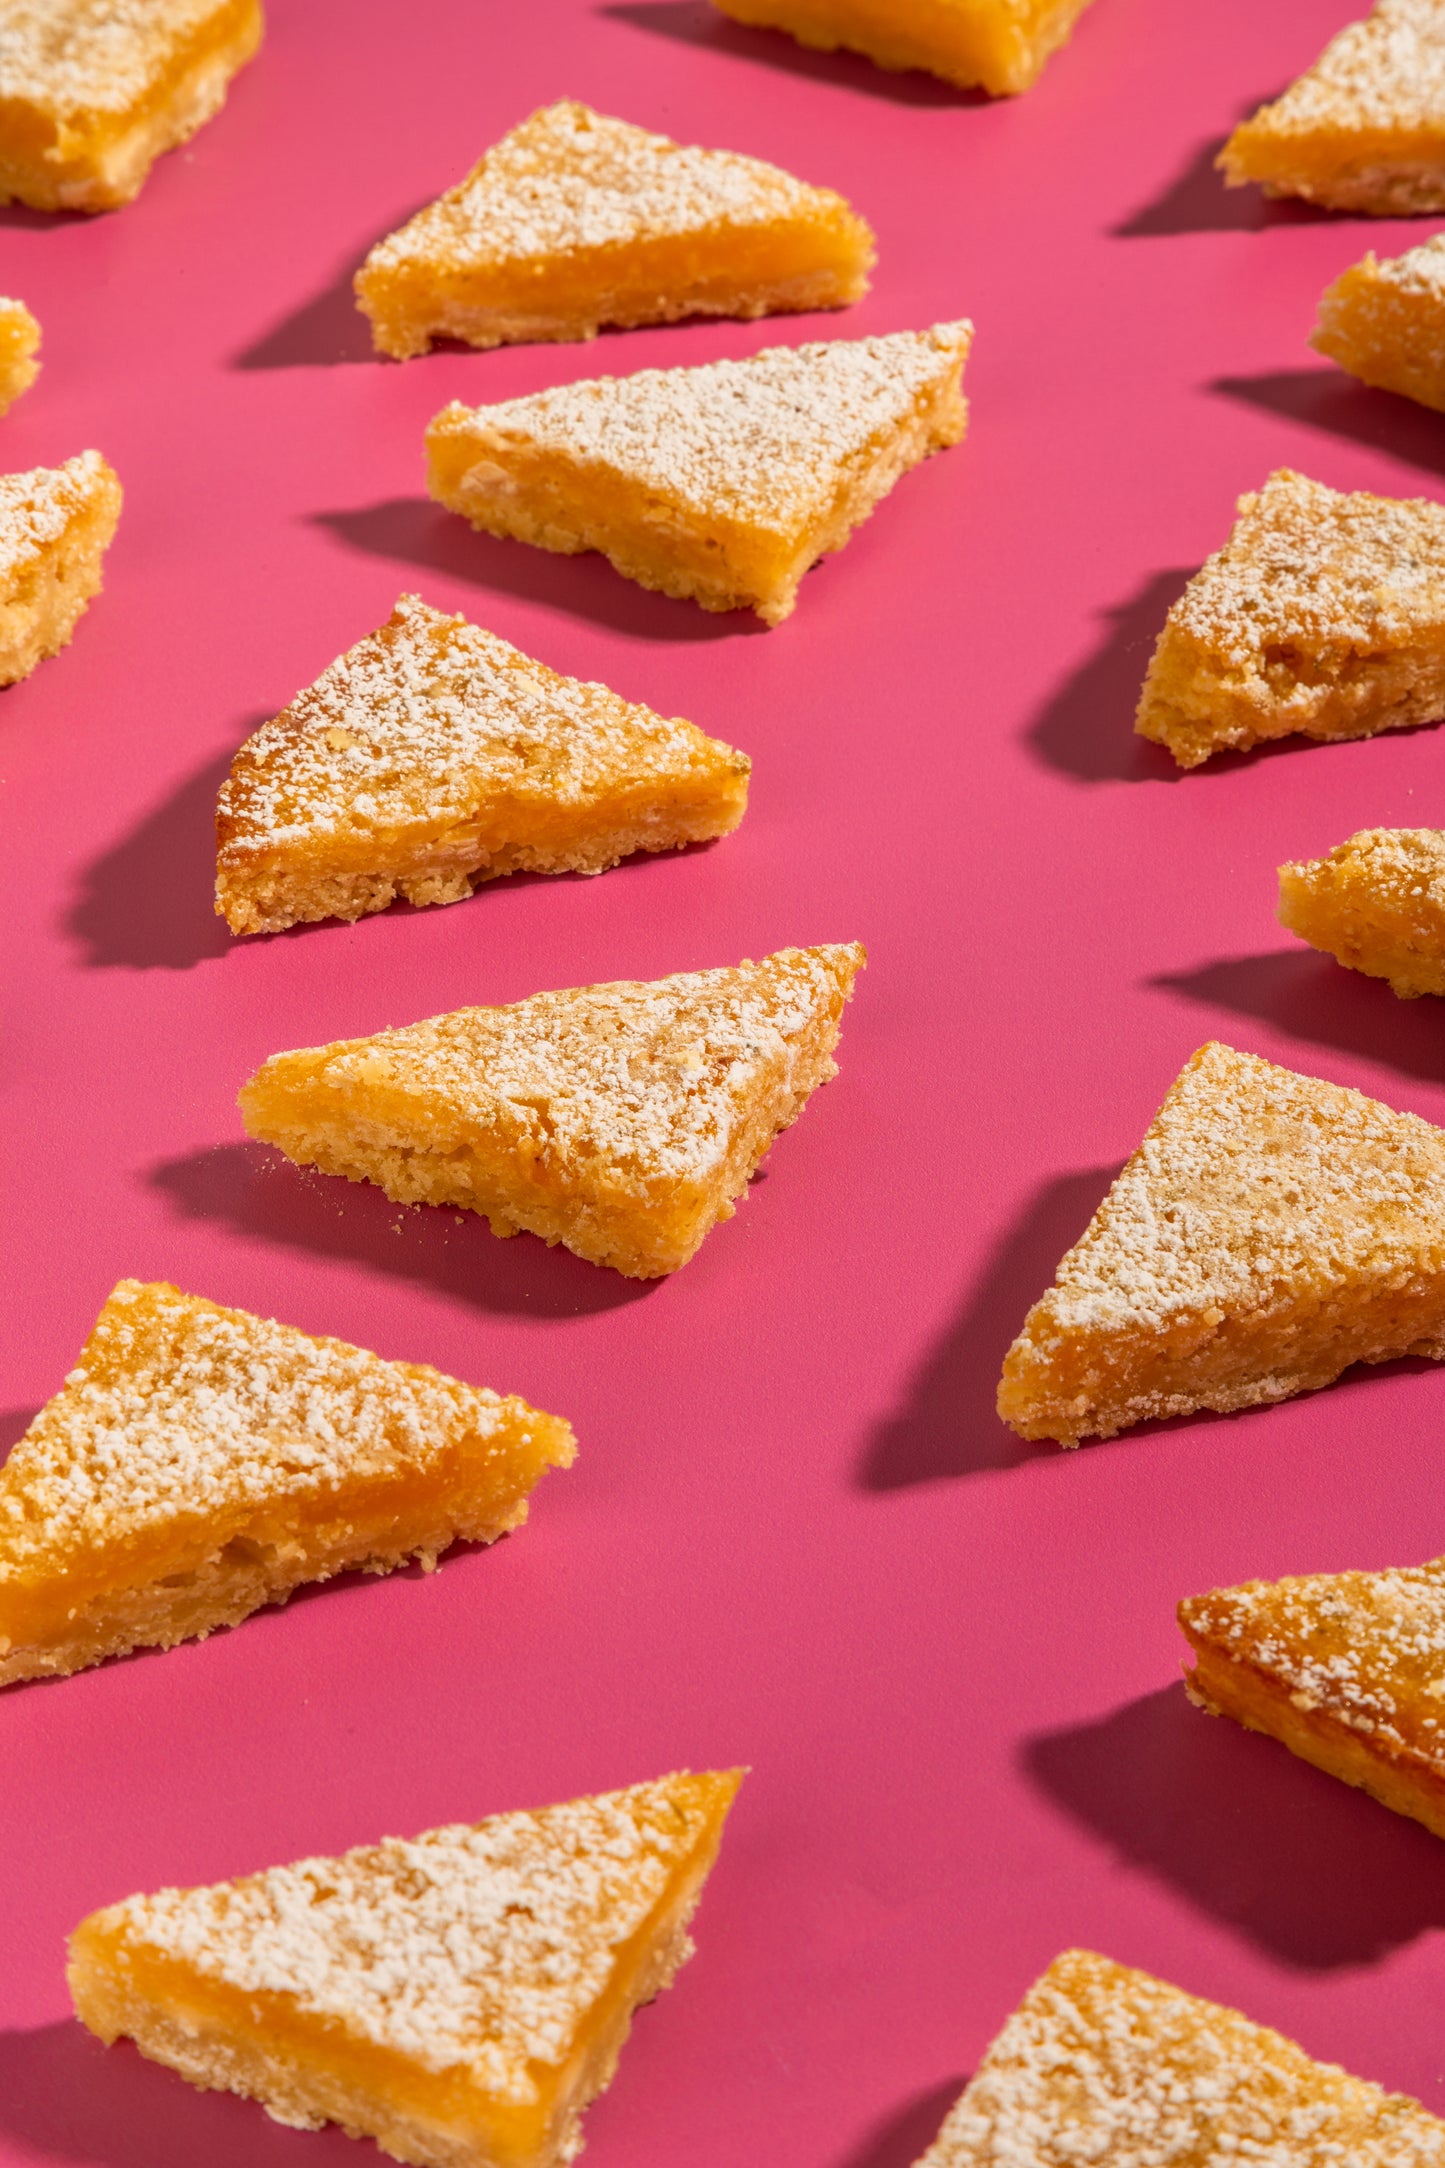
[
  {"x": 1000, "y": 45},
  {"x": 1323, "y": 616},
  {"x": 1376, "y": 904},
  {"x": 1104, "y": 2064},
  {"x": 1364, "y": 128},
  {"x": 459, "y": 1996},
  {"x": 722, "y": 483},
  {"x": 1270, "y": 1230},
  {"x": 56, "y": 524},
  {"x": 575, "y": 220},
  {"x": 1345, "y": 1669},
  {"x": 432, "y": 756},
  {"x": 1384, "y": 321},
  {"x": 622, "y": 1120},
  {"x": 200, "y": 1462}
]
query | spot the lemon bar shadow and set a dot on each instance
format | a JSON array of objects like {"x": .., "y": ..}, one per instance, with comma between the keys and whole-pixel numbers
[
  {"x": 323, "y": 332},
  {"x": 259, "y": 1194},
  {"x": 1298, "y": 1863},
  {"x": 1086, "y": 727},
  {"x": 65, "y": 2097},
  {"x": 414, "y": 531},
  {"x": 695, "y": 23},
  {"x": 1197, "y": 201},
  {"x": 147, "y": 903},
  {"x": 1337, "y": 404},
  {"x": 949, "y": 1425},
  {"x": 902, "y": 2137},
  {"x": 14, "y": 1422},
  {"x": 1318, "y": 1001}
]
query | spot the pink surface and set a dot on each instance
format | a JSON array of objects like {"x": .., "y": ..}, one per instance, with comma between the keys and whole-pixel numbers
[{"x": 797, "y": 1535}]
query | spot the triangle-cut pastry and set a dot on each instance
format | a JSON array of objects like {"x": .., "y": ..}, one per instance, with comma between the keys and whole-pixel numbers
[
  {"x": 458, "y": 1996},
  {"x": 1270, "y": 1230},
  {"x": 1385, "y": 322},
  {"x": 722, "y": 483},
  {"x": 200, "y": 1462},
  {"x": 575, "y": 220},
  {"x": 1377, "y": 903},
  {"x": 1345, "y": 1669},
  {"x": 1364, "y": 128},
  {"x": 56, "y": 524},
  {"x": 432, "y": 756},
  {"x": 1103, "y": 2064},
  {"x": 622, "y": 1120},
  {"x": 1000, "y": 45},
  {"x": 92, "y": 91},
  {"x": 1323, "y": 616},
  {"x": 19, "y": 343}
]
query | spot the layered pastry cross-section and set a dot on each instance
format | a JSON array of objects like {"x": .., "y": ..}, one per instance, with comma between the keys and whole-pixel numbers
[
  {"x": 1384, "y": 321},
  {"x": 1323, "y": 616},
  {"x": 56, "y": 524},
  {"x": 997, "y": 45},
  {"x": 1377, "y": 904},
  {"x": 432, "y": 756},
  {"x": 622, "y": 1120},
  {"x": 92, "y": 91},
  {"x": 459, "y": 1996},
  {"x": 722, "y": 484},
  {"x": 1270, "y": 1230},
  {"x": 1345, "y": 1669},
  {"x": 1103, "y": 2064},
  {"x": 575, "y": 220},
  {"x": 1364, "y": 128},
  {"x": 200, "y": 1462},
  {"x": 19, "y": 344}
]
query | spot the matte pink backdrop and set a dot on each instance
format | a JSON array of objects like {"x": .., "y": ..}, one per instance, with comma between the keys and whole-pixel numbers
[{"x": 796, "y": 1536}]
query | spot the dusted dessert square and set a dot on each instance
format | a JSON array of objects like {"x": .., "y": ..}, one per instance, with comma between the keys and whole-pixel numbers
[
  {"x": 1385, "y": 322},
  {"x": 1377, "y": 903},
  {"x": 56, "y": 524}
]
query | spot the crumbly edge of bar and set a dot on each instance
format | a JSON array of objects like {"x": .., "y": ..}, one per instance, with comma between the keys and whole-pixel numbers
[
  {"x": 879, "y": 41},
  {"x": 1388, "y": 188},
  {"x": 1190, "y": 708},
  {"x": 48, "y": 599},
  {"x": 1366, "y": 928}
]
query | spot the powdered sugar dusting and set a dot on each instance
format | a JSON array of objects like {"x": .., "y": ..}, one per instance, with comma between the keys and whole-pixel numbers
[
  {"x": 37, "y": 507},
  {"x": 1387, "y": 72},
  {"x": 71, "y": 57}
]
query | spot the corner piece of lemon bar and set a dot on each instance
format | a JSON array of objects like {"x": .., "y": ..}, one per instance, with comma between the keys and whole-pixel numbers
[
  {"x": 1270, "y": 1230},
  {"x": 622, "y": 1120},
  {"x": 1376, "y": 904},
  {"x": 1101, "y": 2063},
  {"x": 92, "y": 91},
  {"x": 56, "y": 524},
  {"x": 432, "y": 756},
  {"x": 201, "y": 1462},
  {"x": 1364, "y": 128},
  {"x": 575, "y": 220},
  {"x": 1323, "y": 616},
  {"x": 459, "y": 1996},
  {"x": 19, "y": 344},
  {"x": 998, "y": 45},
  {"x": 1345, "y": 1669},
  {"x": 722, "y": 484},
  {"x": 1384, "y": 321}
]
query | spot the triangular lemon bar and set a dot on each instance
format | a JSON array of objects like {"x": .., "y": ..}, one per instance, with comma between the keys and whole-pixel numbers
[
  {"x": 998, "y": 44},
  {"x": 56, "y": 524},
  {"x": 1364, "y": 128},
  {"x": 1384, "y": 321},
  {"x": 1377, "y": 903},
  {"x": 432, "y": 756},
  {"x": 575, "y": 220},
  {"x": 459, "y": 1996},
  {"x": 200, "y": 1462},
  {"x": 722, "y": 483},
  {"x": 621, "y": 1120},
  {"x": 1270, "y": 1230},
  {"x": 19, "y": 343},
  {"x": 1322, "y": 616},
  {"x": 1346, "y": 1669},
  {"x": 1104, "y": 2064}
]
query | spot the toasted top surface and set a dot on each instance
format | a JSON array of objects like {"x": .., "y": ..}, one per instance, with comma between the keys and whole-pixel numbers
[
  {"x": 1387, "y": 72},
  {"x": 481, "y": 1946},
  {"x": 37, "y": 507},
  {"x": 1401, "y": 863},
  {"x": 423, "y": 716},
  {"x": 1306, "y": 566},
  {"x": 71, "y": 57},
  {"x": 1368, "y": 1647},
  {"x": 1251, "y": 1179},
  {"x": 1419, "y": 271},
  {"x": 569, "y": 178},
  {"x": 179, "y": 1408},
  {"x": 1104, "y": 2064},
  {"x": 762, "y": 440},
  {"x": 640, "y": 1079}
]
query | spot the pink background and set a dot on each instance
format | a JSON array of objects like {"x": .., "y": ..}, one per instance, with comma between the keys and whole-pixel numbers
[{"x": 797, "y": 1536}]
